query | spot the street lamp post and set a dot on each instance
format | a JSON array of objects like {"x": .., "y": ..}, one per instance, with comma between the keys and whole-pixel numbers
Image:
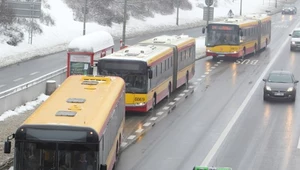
[
  {"x": 124, "y": 23},
  {"x": 84, "y": 16},
  {"x": 241, "y": 7}
]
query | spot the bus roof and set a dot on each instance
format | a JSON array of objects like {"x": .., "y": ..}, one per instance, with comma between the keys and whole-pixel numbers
[
  {"x": 92, "y": 42},
  {"x": 80, "y": 101},
  {"x": 179, "y": 40},
  {"x": 141, "y": 52},
  {"x": 245, "y": 21}
]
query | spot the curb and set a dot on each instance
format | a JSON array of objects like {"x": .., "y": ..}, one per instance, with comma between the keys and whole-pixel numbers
[{"x": 152, "y": 120}]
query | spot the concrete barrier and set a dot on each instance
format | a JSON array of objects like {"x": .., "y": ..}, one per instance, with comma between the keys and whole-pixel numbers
[{"x": 19, "y": 95}]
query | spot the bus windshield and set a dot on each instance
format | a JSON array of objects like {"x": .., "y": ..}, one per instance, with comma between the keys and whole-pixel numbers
[
  {"x": 222, "y": 35},
  {"x": 54, "y": 156},
  {"x": 134, "y": 73}
]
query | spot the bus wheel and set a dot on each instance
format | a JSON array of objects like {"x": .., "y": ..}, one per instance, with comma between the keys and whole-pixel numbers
[
  {"x": 244, "y": 54},
  {"x": 187, "y": 80},
  {"x": 153, "y": 101},
  {"x": 254, "y": 51}
]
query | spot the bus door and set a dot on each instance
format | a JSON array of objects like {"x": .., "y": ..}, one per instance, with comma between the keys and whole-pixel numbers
[
  {"x": 175, "y": 67},
  {"x": 259, "y": 35}
]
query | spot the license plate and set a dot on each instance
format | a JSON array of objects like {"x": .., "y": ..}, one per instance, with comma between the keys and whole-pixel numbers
[
  {"x": 221, "y": 55},
  {"x": 278, "y": 94}
]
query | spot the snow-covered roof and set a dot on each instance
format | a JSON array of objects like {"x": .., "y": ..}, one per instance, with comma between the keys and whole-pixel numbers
[{"x": 92, "y": 42}]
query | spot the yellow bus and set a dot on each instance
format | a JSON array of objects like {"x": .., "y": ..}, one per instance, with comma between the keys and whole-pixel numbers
[
  {"x": 79, "y": 126},
  {"x": 152, "y": 69},
  {"x": 237, "y": 37}
]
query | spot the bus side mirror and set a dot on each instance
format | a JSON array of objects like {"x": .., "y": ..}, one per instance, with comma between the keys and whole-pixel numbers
[
  {"x": 7, "y": 146},
  {"x": 103, "y": 167},
  {"x": 150, "y": 72},
  {"x": 290, "y": 34},
  {"x": 203, "y": 30}
]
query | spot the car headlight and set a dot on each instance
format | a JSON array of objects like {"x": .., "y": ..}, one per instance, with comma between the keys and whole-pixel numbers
[
  {"x": 268, "y": 88},
  {"x": 290, "y": 89}
]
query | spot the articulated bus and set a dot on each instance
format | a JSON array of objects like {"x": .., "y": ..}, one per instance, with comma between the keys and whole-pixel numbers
[
  {"x": 237, "y": 37},
  {"x": 152, "y": 69},
  {"x": 79, "y": 126}
]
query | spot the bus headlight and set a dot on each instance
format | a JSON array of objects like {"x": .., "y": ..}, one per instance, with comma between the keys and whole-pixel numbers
[
  {"x": 140, "y": 104},
  {"x": 293, "y": 42}
]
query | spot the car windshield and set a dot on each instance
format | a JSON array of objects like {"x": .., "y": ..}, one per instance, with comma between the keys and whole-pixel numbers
[
  {"x": 280, "y": 78},
  {"x": 296, "y": 34}
]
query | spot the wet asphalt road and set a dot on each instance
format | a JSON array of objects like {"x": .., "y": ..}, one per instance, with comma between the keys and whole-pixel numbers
[{"x": 226, "y": 122}]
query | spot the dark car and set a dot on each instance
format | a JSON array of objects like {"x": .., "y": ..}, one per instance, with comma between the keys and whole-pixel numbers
[
  {"x": 280, "y": 85},
  {"x": 289, "y": 9}
]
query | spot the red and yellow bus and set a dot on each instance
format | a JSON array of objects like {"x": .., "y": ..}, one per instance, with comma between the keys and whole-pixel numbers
[
  {"x": 152, "y": 69},
  {"x": 237, "y": 37},
  {"x": 79, "y": 125}
]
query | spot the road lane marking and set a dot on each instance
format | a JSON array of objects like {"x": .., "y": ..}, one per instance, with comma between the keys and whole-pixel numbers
[
  {"x": 18, "y": 79},
  {"x": 2, "y": 85},
  {"x": 33, "y": 73},
  {"x": 139, "y": 131},
  {"x": 228, "y": 128}
]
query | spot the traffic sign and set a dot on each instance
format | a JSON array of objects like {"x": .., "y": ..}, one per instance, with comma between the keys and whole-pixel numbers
[
  {"x": 208, "y": 13},
  {"x": 24, "y": 9},
  {"x": 209, "y": 2}
]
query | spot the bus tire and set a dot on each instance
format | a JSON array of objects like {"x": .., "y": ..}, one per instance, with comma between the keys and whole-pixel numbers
[
  {"x": 154, "y": 101},
  {"x": 187, "y": 79},
  {"x": 215, "y": 58},
  {"x": 255, "y": 50},
  {"x": 244, "y": 53}
]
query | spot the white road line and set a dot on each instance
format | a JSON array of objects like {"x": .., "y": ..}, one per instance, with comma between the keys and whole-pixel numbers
[
  {"x": 159, "y": 113},
  {"x": 123, "y": 144},
  {"x": 199, "y": 79},
  {"x": 225, "y": 132},
  {"x": 139, "y": 131},
  {"x": 18, "y": 79},
  {"x": 177, "y": 99},
  {"x": 298, "y": 146},
  {"x": 131, "y": 137},
  {"x": 213, "y": 67},
  {"x": 33, "y": 73},
  {"x": 2, "y": 85},
  {"x": 203, "y": 76},
  {"x": 153, "y": 118},
  {"x": 206, "y": 73},
  {"x": 147, "y": 124}
]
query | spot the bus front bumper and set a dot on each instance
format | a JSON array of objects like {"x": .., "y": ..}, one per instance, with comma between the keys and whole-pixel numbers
[
  {"x": 140, "y": 107},
  {"x": 224, "y": 54}
]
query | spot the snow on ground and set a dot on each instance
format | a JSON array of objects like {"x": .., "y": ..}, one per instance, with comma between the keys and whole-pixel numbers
[
  {"x": 24, "y": 108},
  {"x": 56, "y": 38}
]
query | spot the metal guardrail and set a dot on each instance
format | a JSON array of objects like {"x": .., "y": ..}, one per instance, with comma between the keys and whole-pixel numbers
[{"x": 31, "y": 83}]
